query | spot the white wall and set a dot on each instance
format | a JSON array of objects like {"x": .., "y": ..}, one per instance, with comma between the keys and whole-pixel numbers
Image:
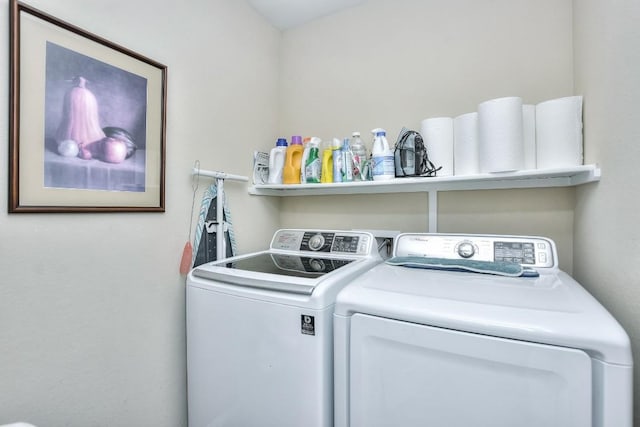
[
  {"x": 393, "y": 63},
  {"x": 607, "y": 234},
  {"x": 91, "y": 305},
  {"x": 92, "y": 329}
]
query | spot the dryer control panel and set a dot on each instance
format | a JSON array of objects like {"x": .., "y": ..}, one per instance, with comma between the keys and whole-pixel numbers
[
  {"x": 525, "y": 250},
  {"x": 324, "y": 241}
]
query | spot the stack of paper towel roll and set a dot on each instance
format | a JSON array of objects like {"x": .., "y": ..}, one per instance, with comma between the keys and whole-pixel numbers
[{"x": 504, "y": 135}]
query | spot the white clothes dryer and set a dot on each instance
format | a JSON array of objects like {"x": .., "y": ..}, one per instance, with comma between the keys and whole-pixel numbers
[
  {"x": 457, "y": 331},
  {"x": 260, "y": 330}
]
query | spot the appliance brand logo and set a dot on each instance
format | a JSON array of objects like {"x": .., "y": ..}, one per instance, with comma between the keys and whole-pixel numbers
[{"x": 307, "y": 324}]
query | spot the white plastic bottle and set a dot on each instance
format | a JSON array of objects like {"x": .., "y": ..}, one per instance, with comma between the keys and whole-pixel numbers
[
  {"x": 276, "y": 161},
  {"x": 382, "y": 162}
]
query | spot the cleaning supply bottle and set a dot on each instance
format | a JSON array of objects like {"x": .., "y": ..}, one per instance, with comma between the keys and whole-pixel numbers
[
  {"x": 305, "y": 154},
  {"x": 291, "y": 169},
  {"x": 276, "y": 161},
  {"x": 359, "y": 152},
  {"x": 382, "y": 161},
  {"x": 337, "y": 160},
  {"x": 326, "y": 175},
  {"x": 347, "y": 162},
  {"x": 312, "y": 165}
]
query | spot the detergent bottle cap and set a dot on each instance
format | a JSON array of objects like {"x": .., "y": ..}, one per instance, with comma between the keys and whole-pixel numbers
[
  {"x": 337, "y": 144},
  {"x": 296, "y": 140},
  {"x": 379, "y": 132},
  {"x": 356, "y": 134},
  {"x": 315, "y": 141},
  {"x": 281, "y": 142}
]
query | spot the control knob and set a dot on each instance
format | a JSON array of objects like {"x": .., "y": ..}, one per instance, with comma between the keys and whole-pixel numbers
[
  {"x": 316, "y": 242},
  {"x": 317, "y": 265},
  {"x": 466, "y": 249}
]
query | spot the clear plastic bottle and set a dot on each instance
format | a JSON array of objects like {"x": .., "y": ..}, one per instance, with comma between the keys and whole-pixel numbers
[
  {"x": 382, "y": 160},
  {"x": 359, "y": 152},
  {"x": 337, "y": 160},
  {"x": 276, "y": 161},
  {"x": 347, "y": 162},
  {"x": 305, "y": 154}
]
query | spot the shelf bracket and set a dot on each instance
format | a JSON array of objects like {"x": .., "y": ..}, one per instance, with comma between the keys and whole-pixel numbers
[{"x": 433, "y": 211}]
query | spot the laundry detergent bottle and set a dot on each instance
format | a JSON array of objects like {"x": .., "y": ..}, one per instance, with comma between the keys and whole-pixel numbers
[
  {"x": 276, "y": 161},
  {"x": 382, "y": 160},
  {"x": 292, "y": 162},
  {"x": 326, "y": 176}
]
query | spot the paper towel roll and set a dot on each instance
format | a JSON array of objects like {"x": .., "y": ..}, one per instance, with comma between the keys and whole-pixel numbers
[
  {"x": 500, "y": 135},
  {"x": 465, "y": 144},
  {"x": 559, "y": 132},
  {"x": 529, "y": 131},
  {"x": 437, "y": 134}
]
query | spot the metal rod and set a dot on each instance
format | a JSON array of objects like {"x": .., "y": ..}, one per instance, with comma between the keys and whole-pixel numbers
[
  {"x": 219, "y": 175},
  {"x": 433, "y": 211},
  {"x": 221, "y": 250}
]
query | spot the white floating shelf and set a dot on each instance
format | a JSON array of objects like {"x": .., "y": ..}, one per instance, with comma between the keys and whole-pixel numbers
[{"x": 537, "y": 178}]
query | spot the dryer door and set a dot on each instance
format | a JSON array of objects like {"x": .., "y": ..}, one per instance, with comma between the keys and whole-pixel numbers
[{"x": 404, "y": 374}]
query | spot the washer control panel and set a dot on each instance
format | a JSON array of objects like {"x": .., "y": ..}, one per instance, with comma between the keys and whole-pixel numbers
[
  {"x": 324, "y": 241},
  {"x": 525, "y": 250}
]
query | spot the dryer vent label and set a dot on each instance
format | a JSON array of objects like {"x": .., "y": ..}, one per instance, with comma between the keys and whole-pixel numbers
[{"x": 307, "y": 324}]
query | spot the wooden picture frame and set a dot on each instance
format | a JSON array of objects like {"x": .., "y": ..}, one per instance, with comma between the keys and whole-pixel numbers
[{"x": 87, "y": 120}]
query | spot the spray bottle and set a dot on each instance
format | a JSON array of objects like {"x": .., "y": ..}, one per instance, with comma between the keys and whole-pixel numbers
[
  {"x": 303, "y": 160},
  {"x": 382, "y": 161},
  {"x": 326, "y": 175},
  {"x": 312, "y": 165}
]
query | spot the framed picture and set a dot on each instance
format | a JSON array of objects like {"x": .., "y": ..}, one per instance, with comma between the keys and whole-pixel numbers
[{"x": 87, "y": 125}]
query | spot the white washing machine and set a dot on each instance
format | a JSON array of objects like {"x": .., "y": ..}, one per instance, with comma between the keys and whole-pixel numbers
[
  {"x": 260, "y": 330},
  {"x": 438, "y": 341}
]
